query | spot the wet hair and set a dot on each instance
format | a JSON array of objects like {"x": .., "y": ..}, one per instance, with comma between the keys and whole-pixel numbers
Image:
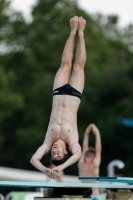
[
  {"x": 61, "y": 161},
  {"x": 90, "y": 152}
]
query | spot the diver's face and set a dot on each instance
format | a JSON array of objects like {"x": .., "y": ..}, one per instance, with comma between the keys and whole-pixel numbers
[{"x": 57, "y": 151}]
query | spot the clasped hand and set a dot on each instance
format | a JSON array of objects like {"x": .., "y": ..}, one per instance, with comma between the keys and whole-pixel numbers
[{"x": 53, "y": 173}]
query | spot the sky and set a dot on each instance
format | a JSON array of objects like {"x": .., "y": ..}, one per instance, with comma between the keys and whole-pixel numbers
[{"x": 121, "y": 8}]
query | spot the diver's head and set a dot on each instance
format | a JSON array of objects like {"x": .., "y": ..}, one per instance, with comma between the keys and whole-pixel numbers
[{"x": 59, "y": 154}]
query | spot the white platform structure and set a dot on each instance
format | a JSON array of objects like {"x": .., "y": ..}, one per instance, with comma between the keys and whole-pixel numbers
[
  {"x": 119, "y": 187},
  {"x": 12, "y": 174}
]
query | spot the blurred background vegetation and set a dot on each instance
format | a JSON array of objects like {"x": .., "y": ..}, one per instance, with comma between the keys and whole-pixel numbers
[{"x": 30, "y": 54}]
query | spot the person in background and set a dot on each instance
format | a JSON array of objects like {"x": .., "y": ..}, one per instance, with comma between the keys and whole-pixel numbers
[{"x": 89, "y": 163}]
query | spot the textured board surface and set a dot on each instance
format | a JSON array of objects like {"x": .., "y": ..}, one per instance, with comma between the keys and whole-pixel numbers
[
  {"x": 64, "y": 185},
  {"x": 108, "y": 179}
]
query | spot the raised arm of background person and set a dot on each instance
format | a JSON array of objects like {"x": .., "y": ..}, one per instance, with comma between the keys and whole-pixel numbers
[
  {"x": 76, "y": 151},
  {"x": 85, "y": 144},
  {"x": 35, "y": 161},
  {"x": 98, "y": 145}
]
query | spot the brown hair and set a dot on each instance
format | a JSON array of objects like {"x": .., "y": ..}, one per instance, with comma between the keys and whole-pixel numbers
[
  {"x": 61, "y": 161},
  {"x": 91, "y": 151}
]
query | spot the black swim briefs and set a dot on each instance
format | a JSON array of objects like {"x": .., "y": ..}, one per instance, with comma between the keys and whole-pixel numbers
[{"x": 67, "y": 90}]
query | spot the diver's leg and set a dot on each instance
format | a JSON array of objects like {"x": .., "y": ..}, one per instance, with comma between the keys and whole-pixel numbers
[
  {"x": 63, "y": 74},
  {"x": 77, "y": 77}
]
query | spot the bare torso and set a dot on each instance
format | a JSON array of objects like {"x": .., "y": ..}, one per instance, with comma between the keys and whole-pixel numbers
[
  {"x": 88, "y": 169},
  {"x": 63, "y": 120}
]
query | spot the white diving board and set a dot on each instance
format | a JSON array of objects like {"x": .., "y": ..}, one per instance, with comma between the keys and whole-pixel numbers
[
  {"x": 64, "y": 185},
  {"x": 108, "y": 179}
]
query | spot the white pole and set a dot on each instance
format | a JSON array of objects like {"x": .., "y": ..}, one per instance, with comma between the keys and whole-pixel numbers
[{"x": 111, "y": 167}]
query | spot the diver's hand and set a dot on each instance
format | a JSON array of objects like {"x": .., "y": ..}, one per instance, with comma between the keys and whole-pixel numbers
[
  {"x": 50, "y": 173},
  {"x": 57, "y": 170}
]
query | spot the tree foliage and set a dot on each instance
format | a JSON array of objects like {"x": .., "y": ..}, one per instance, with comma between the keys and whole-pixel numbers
[{"x": 30, "y": 54}]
